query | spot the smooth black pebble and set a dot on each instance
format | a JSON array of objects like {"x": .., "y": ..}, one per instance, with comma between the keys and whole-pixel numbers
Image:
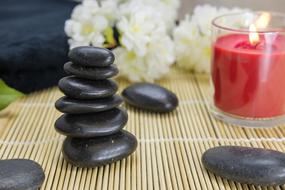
[
  {"x": 246, "y": 165},
  {"x": 20, "y": 174},
  {"x": 86, "y": 89},
  {"x": 91, "y": 56},
  {"x": 75, "y": 106},
  {"x": 99, "y": 151},
  {"x": 92, "y": 125},
  {"x": 92, "y": 73},
  {"x": 150, "y": 97}
]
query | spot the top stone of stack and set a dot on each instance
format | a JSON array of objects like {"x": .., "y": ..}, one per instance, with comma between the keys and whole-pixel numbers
[{"x": 91, "y": 56}]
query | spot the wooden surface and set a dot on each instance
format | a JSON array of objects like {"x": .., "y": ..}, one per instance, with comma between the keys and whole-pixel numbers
[{"x": 169, "y": 150}]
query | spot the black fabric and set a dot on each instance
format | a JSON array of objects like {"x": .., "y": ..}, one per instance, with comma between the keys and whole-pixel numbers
[{"x": 33, "y": 45}]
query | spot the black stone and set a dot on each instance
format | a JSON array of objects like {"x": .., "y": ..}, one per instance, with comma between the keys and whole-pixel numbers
[
  {"x": 91, "y": 56},
  {"x": 20, "y": 174},
  {"x": 86, "y": 89},
  {"x": 92, "y": 125},
  {"x": 92, "y": 73},
  {"x": 74, "y": 106},
  {"x": 246, "y": 165},
  {"x": 99, "y": 151},
  {"x": 150, "y": 97}
]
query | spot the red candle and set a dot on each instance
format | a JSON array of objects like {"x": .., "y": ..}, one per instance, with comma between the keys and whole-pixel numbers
[{"x": 249, "y": 80}]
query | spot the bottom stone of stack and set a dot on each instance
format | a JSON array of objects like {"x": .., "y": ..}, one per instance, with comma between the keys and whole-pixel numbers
[{"x": 99, "y": 151}]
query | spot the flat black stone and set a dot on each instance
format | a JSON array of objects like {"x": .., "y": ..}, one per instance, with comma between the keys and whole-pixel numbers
[
  {"x": 74, "y": 106},
  {"x": 99, "y": 151},
  {"x": 246, "y": 165},
  {"x": 92, "y": 125},
  {"x": 91, "y": 56},
  {"x": 86, "y": 89},
  {"x": 150, "y": 97},
  {"x": 92, "y": 73},
  {"x": 20, "y": 174}
]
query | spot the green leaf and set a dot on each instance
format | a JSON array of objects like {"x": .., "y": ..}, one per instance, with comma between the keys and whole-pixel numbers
[{"x": 7, "y": 95}]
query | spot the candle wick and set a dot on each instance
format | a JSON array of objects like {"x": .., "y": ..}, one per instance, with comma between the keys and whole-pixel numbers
[{"x": 255, "y": 45}]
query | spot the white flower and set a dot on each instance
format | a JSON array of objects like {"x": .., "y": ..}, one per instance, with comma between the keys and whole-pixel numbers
[
  {"x": 89, "y": 21},
  {"x": 109, "y": 8},
  {"x": 167, "y": 9},
  {"x": 153, "y": 65},
  {"x": 136, "y": 25},
  {"x": 193, "y": 38},
  {"x": 203, "y": 16},
  {"x": 145, "y": 51},
  {"x": 160, "y": 57},
  {"x": 88, "y": 31}
]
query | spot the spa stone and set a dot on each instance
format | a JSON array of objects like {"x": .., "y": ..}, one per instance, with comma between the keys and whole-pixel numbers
[
  {"x": 91, "y": 56},
  {"x": 93, "y": 121},
  {"x": 20, "y": 174},
  {"x": 150, "y": 97},
  {"x": 246, "y": 165},
  {"x": 86, "y": 89},
  {"x": 92, "y": 125},
  {"x": 99, "y": 151},
  {"x": 92, "y": 73},
  {"x": 75, "y": 106}
]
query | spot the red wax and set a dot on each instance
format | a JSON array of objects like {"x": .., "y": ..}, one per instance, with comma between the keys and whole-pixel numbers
[{"x": 249, "y": 80}]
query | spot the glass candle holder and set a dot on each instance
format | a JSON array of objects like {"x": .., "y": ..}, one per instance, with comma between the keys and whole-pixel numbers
[{"x": 248, "y": 69}]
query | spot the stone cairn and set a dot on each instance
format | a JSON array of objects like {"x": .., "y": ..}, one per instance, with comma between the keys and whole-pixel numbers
[{"x": 92, "y": 120}]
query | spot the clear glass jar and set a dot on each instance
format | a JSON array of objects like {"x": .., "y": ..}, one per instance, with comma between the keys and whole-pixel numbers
[{"x": 248, "y": 69}]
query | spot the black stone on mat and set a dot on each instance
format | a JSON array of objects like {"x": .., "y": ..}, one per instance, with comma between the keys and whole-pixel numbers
[{"x": 99, "y": 151}]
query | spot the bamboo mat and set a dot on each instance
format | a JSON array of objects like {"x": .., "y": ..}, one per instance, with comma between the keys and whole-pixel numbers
[{"x": 169, "y": 150}]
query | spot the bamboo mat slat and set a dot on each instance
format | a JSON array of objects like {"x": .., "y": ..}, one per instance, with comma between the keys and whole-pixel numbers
[{"x": 169, "y": 150}]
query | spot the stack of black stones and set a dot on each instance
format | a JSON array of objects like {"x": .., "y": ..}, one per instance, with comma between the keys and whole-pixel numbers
[{"x": 92, "y": 120}]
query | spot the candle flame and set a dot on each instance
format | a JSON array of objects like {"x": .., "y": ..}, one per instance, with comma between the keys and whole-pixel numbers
[
  {"x": 261, "y": 23},
  {"x": 253, "y": 35}
]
